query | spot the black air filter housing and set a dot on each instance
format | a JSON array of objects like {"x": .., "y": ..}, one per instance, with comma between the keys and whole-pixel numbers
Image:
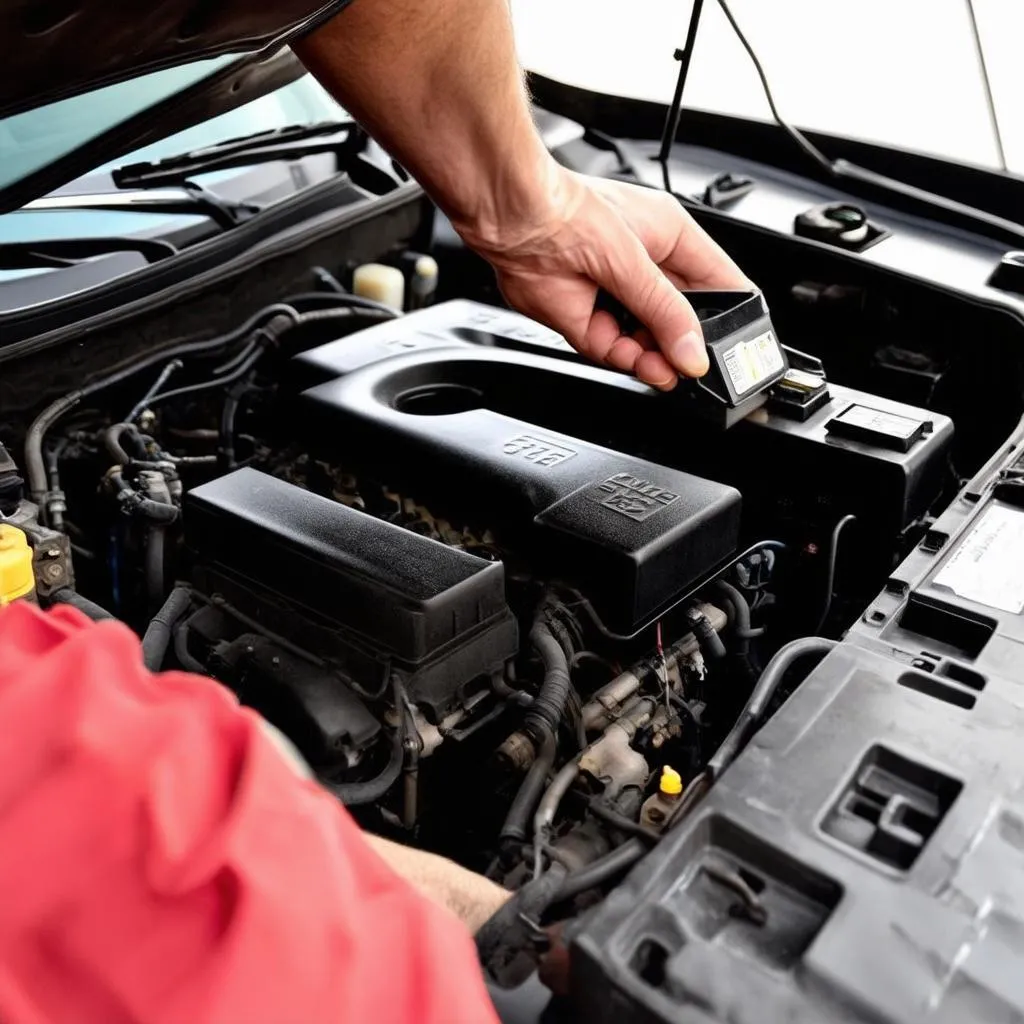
[
  {"x": 632, "y": 535},
  {"x": 352, "y": 588}
]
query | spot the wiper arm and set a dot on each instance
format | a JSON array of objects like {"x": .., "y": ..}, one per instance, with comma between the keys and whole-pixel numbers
[
  {"x": 188, "y": 198},
  {"x": 286, "y": 143}
]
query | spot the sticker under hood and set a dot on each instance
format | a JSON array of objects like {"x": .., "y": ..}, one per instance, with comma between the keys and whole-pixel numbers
[{"x": 51, "y": 49}]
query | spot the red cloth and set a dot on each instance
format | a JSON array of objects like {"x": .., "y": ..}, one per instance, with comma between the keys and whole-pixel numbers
[{"x": 161, "y": 862}]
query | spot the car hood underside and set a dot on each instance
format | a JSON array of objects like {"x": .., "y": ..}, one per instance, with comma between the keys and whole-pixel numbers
[{"x": 52, "y": 49}]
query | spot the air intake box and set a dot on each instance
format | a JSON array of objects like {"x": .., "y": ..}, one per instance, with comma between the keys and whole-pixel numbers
[
  {"x": 355, "y": 590},
  {"x": 632, "y": 535}
]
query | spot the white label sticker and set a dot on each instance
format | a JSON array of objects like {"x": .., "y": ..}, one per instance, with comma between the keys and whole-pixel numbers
[
  {"x": 748, "y": 363},
  {"x": 988, "y": 566},
  {"x": 880, "y": 422}
]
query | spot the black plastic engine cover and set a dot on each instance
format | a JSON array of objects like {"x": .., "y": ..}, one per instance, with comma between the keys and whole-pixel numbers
[
  {"x": 632, "y": 535},
  {"x": 767, "y": 455},
  {"x": 363, "y": 592}
]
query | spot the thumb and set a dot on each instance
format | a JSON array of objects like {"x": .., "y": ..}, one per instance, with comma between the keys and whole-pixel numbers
[{"x": 639, "y": 284}]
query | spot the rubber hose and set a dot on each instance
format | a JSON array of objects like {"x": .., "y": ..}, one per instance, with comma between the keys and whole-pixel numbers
[
  {"x": 112, "y": 442},
  {"x": 35, "y": 469},
  {"x": 530, "y": 790},
  {"x": 366, "y": 315},
  {"x": 708, "y": 640},
  {"x": 562, "y": 635},
  {"x": 162, "y": 378},
  {"x": 354, "y": 794},
  {"x": 619, "y": 821},
  {"x": 503, "y": 691},
  {"x": 155, "y": 564},
  {"x": 602, "y": 870},
  {"x": 181, "y": 652},
  {"x": 783, "y": 659},
  {"x": 71, "y": 597},
  {"x": 157, "y": 637},
  {"x": 337, "y": 300},
  {"x": 529, "y": 902},
  {"x": 830, "y": 578},
  {"x": 549, "y": 705},
  {"x": 157, "y": 510},
  {"x": 553, "y": 795},
  {"x": 227, "y": 427},
  {"x": 739, "y": 602}
]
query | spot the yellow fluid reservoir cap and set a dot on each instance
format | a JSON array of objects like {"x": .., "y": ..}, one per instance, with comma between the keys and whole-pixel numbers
[
  {"x": 16, "y": 577},
  {"x": 671, "y": 782}
]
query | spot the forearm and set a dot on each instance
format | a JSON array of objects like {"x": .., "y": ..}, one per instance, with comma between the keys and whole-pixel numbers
[
  {"x": 470, "y": 897},
  {"x": 439, "y": 86}
]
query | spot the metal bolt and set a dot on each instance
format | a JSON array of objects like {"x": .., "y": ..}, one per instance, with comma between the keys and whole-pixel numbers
[
  {"x": 275, "y": 661},
  {"x": 656, "y": 815},
  {"x": 53, "y": 552},
  {"x": 53, "y": 573}
]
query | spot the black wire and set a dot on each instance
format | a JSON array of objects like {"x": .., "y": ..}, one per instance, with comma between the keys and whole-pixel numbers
[
  {"x": 798, "y": 137},
  {"x": 343, "y": 299},
  {"x": 238, "y": 357},
  {"x": 830, "y": 578},
  {"x": 619, "y": 821},
  {"x": 172, "y": 367},
  {"x": 753, "y": 712},
  {"x": 207, "y": 385},
  {"x": 34, "y": 464},
  {"x": 602, "y": 870}
]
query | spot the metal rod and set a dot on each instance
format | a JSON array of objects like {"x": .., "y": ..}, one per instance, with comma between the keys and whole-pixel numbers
[
  {"x": 992, "y": 116},
  {"x": 684, "y": 56}
]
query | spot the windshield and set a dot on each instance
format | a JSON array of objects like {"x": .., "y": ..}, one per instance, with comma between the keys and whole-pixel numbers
[
  {"x": 48, "y": 132},
  {"x": 36, "y": 138},
  {"x": 904, "y": 73}
]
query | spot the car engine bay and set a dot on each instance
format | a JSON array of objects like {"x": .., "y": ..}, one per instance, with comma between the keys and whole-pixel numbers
[{"x": 527, "y": 613}]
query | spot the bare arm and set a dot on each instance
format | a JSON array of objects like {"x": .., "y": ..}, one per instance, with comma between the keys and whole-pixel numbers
[
  {"x": 438, "y": 84},
  {"x": 470, "y": 897}
]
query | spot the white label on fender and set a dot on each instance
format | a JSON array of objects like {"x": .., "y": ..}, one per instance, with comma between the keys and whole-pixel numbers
[
  {"x": 988, "y": 566},
  {"x": 748, "y": 363}
]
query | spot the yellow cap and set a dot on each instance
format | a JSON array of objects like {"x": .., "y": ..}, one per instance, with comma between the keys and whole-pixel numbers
[
  {"x": 16, "y": 576},
  {"x": 671, "y": 782}
]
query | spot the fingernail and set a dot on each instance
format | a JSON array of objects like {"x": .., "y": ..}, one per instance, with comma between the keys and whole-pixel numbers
[{"x": 689, "y": 355}]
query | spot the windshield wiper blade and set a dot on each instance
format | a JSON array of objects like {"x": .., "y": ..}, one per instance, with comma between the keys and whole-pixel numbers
[
  {"x": 286, "y": 143},
  {"x": 188, "y": 198}
]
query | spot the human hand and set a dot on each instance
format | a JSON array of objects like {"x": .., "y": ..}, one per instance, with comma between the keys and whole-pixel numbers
[{"x": 639, "y": 245}]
